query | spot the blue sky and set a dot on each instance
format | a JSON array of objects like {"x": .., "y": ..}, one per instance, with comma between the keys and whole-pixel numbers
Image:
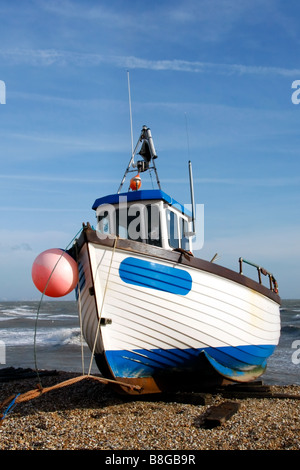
[{"x": 211, "y": 78}]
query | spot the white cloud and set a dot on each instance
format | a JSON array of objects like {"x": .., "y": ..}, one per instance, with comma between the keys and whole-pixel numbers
[
  {"x": 49, "y": 57},
  {"x": 21, "y": 247},
  {"x": 25, "y": 240}
]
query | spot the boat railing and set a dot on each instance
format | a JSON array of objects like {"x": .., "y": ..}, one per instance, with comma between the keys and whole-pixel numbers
[{"x": 261, "y": 271}]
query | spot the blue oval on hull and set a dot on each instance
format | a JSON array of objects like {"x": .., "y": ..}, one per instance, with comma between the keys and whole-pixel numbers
[{"x": 157, "y": 276}]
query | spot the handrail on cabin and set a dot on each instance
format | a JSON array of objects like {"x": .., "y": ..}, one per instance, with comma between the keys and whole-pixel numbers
[{"x": 260, "y": 271}]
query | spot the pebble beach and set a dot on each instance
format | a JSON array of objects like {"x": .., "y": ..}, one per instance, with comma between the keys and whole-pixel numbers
[{"x": 89, "y": 415}]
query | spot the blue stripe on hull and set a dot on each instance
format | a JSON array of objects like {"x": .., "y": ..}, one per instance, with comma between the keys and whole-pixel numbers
[
  {"x": 229, "y": 361},
  {"x": 234, "y": 356},
  {"x": 157, "y": 276}
]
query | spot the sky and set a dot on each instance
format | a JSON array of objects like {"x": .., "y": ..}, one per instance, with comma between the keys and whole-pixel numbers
[{"x": 213, "y": 79}]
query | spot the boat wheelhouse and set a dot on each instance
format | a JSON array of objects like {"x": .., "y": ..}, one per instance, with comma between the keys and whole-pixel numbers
[{"x": 147, "y": 216}]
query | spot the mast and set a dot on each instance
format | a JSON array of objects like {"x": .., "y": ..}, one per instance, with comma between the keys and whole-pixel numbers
[{"x": 148, "y": 153}]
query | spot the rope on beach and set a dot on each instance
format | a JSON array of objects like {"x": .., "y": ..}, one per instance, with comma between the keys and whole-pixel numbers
[
  {"x": 12, "y": 401},
  {"x": 9, "y": 408}
]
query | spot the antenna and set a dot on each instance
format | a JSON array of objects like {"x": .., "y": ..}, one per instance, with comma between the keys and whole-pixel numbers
[
  {"x": 191, "y": 179},
  {"x": 192, "y": 196},
  {"x": 130, "y": 113},
  {"x": 131, "y": 132},
  {"x": 147, "y": 150},
  {"x": 187, "y": 135}
]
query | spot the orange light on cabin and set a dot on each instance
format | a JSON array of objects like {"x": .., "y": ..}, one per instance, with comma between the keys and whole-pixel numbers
[{"x": 135, "y": 183}]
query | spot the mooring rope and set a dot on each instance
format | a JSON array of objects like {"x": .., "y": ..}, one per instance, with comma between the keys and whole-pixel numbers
[
  {"x": 100, "y": 313},
  {"x": 40, "y": 303},
  {"x": 80, "y": 311},
  {"x": 12, "y": 401}
]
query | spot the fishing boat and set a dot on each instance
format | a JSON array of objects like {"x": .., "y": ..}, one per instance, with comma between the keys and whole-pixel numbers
[{"x": 153, "y": 314}]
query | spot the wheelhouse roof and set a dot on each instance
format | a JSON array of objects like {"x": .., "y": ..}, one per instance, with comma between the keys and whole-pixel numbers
[{"x": 143, "y": 195}]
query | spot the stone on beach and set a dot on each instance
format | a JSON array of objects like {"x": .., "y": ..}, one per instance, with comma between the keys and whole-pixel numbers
[{"x": 89, "y": 415}]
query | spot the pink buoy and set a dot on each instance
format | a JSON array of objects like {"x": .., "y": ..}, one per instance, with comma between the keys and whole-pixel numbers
[{"x": 60, "y": 267}]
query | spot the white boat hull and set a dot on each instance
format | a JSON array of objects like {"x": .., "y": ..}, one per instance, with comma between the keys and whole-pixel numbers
[{"x": 142, "y": 325}]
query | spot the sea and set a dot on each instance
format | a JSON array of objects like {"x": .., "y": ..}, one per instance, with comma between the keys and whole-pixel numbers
[
  {"x": 46, "y": 335},
  {"x": 43, "y": 335}
]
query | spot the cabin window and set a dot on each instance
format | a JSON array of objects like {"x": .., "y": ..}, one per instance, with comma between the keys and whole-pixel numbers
[
  {"x": 104, "y": 224},
  {"x": 153, "y": 225},
  {"x": 130, "y": 223},
  {"x": 138, "y": 222},
  {"x": 177, "y": 231},
  {"x": 173, "y": 229}
]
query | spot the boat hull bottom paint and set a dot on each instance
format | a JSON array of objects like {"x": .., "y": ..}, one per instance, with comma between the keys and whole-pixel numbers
[{"x": 204, "y": 372}]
